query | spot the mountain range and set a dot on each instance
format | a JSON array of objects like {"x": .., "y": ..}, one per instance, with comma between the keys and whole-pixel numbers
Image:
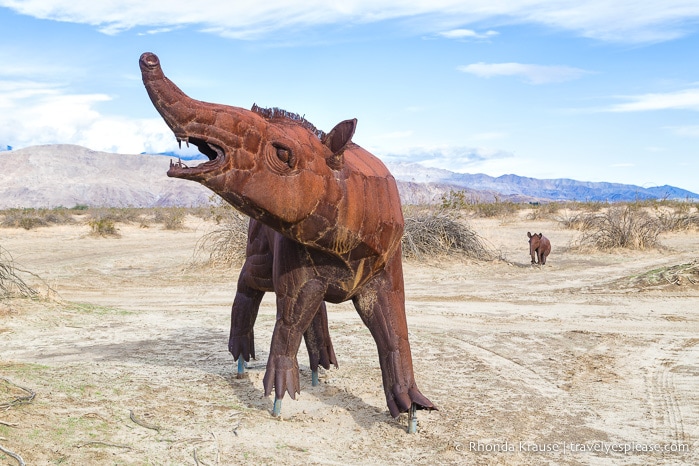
[{"x": 68, "y": 175}]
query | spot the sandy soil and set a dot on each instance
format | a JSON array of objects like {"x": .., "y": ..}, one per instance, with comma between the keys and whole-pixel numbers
[{"x": 565, "y": 364}]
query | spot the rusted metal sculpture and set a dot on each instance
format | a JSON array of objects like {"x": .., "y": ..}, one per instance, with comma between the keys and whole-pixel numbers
[
  {"x": 539, "y": 248},
  {"x": 327, "y": 226}
]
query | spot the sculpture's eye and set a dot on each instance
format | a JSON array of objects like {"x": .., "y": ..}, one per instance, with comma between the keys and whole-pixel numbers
[
  {"x": 280, "y": 158},
  {"x": 285, "y": 155}
]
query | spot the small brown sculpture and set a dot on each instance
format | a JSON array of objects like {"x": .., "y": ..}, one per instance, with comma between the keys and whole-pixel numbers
[
  {"x": 327, "y": 226},
  {"x": 539, "y": 246}
]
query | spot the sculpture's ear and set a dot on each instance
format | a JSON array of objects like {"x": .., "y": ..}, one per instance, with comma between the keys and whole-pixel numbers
[
  {"x": 529, "y": 234},
  {"x": 540, "y": 235},
  {"x": 337, "y": 139}
]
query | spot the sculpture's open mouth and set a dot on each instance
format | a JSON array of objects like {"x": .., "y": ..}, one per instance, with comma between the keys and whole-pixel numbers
[{"x": 213, "y": 151}]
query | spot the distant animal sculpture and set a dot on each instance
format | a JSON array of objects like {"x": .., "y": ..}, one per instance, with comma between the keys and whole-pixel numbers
[
  {"x": 327, "y": 226},
  {"x": 539, "y": 248}
]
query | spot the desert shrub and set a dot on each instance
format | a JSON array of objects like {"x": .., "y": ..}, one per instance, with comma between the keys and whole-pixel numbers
[
  {"x": 34, "y": 218},
  {"x": 677, "y": 217},
  {"x": 461, "y": 200},
  {"x": 455, "y": 200},
  {"x": 543, "y": 211},
  {"x": 126, "y": 215},
  {"x": 225, "y": 245},
  {"x": 437, "y": 233},
  {"x": 172, "y": 218},
  {"x": 577, "y": 221},
  {"x": 620, "y": 227},
  {"x": 103, "y": 226},
  {"x": 495, "y": 209},
  {"x": 10, "y": 283}
]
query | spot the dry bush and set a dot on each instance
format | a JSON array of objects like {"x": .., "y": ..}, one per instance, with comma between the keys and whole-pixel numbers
[
  {"x": 103, "y": 227},
  {"x": 577, "y": 221},
  {"x": 10, "y": 283},
  {"x": 543, "y": 211},
  {"x": 620, "y": 227},
  {"x": 34, "y": 218},
  {"x": 678, "y": 218},
  {"x": 437, "y": 233},
  {"x": 116, "y": 215},
  {"x": 225, "y": 245},
  {"x": 461, "y": 200},
  {"x": 172, "y": 218}
]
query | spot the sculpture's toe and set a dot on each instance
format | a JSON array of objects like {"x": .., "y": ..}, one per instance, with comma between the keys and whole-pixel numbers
[{"x": 283, "y": 375}]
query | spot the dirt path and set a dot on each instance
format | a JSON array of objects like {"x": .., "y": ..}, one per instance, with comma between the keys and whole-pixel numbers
[{"x": 554, "y": 365}]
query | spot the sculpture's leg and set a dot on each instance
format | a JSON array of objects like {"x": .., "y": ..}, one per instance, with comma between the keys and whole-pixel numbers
[
  {"x": 318, "y": 343},
  {"x": 254, "y": 280},
  {"x": 381, "y": 305},
  {"x": 296, "y": 308},
  {"x": 241, "y": 342}
]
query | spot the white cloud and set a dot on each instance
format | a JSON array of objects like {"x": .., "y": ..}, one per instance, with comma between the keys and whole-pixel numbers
[
  {"x": 533, "y": 74},
  {"x": 691, "y": 131},
  {"x": 687, "y": 99},
  {"x": 467, "y": 34},
  {"x": 33, "y": 113},
  {"x": 448, "y": 157},
  {"x": 489, "y": 136},
  {"x": 630, "y": 21}
]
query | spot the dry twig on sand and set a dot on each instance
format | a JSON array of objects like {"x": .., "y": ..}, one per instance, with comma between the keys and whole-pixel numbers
[
  {"x": 10, "y": 283},
  {"x": 13, "y": 455},
  {"x": 20, "y": 399},
  {"x": 143, "y": 423}
]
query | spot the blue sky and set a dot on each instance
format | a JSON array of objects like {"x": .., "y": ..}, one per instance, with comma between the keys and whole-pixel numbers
[{"x": 601, "y": 90}]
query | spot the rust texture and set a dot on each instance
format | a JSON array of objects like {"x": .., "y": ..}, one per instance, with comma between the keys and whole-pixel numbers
[
  {"x": 539, "y": 248},
  {"x": 326, "y": 225}
]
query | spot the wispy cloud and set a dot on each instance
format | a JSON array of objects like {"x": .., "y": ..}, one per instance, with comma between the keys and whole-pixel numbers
[
  {"x": 630, "y": 21},
  {"x": 687, "y": 99},
  {"x": 34, "y": 113},
  {"x": 533, "y": 74},
  {"x": 463, "y": 34},
  {"x": 691, "y": 131},
  {"x": 452, "y": 157}
]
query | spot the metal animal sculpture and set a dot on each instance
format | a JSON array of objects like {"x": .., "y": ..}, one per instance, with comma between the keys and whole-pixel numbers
[
  {"x": 539, "y": 248},
  {"x": 327, "y": 226}
]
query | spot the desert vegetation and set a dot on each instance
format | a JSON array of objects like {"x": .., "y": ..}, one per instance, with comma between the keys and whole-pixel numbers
[
  {"x": 430, "y": 231},
  {"x": 437, "y": 232},
  {"x": 11, "y": 284}
]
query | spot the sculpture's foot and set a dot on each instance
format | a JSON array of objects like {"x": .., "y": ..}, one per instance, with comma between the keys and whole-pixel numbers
[
  {"x": 283, "y": 375},
  {"x": 314, "y": 379},
  {"x": 242, "y": 346},
  {"x": 401, "y": 401}
]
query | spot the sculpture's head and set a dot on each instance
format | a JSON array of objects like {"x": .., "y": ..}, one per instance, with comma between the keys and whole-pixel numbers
[
  {"x": 534, "y": 241},
  {"x": 268, "y": 163}
]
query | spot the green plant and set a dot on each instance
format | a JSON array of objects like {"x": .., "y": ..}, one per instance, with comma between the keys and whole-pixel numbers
[{"x": 103, "y": 227}]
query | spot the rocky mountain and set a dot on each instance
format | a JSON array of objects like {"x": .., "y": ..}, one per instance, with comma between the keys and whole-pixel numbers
[
  {"x": 520, "y": 187},
  {"x": 67, "y": 175}
]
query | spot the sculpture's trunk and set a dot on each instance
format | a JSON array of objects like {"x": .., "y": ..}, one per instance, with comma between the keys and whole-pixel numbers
[{"x": 177, "y": 109}]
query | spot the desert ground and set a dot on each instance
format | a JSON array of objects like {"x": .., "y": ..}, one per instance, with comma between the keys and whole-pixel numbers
[{"x": 590, "y": 359}]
